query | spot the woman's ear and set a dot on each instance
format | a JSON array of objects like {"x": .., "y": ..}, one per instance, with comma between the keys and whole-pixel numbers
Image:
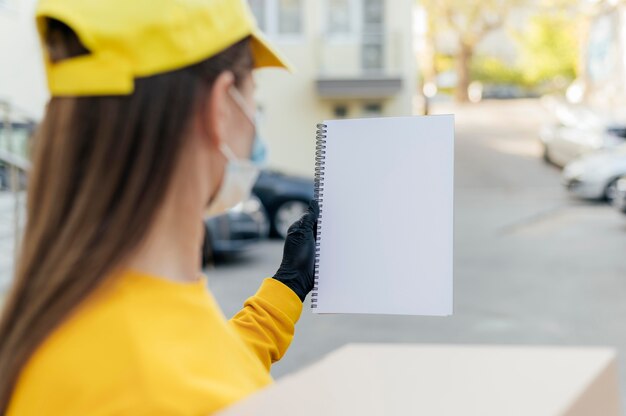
[{"x": 218, "y": 112}]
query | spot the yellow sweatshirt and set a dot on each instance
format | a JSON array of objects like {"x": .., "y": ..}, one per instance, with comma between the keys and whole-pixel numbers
[{"x": 143, "y": 345}]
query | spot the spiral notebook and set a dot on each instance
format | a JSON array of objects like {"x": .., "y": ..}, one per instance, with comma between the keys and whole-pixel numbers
[{"x": 385, "y": 230}]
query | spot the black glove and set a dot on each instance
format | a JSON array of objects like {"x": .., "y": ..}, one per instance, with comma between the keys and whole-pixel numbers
[{"x": 296, "y": 269}]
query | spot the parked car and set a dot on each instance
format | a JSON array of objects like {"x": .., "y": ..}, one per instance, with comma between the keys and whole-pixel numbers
[
  {"x": 505, "y": 92},
  {"x": 564, "y": 143},
  {"x": 595, "y": 175},
  {"x": 235, "y": 231},
  {"x": 284, "y": 197},
  {"x": 619, "y": 202},
  {"x": 277, "y": 201}
]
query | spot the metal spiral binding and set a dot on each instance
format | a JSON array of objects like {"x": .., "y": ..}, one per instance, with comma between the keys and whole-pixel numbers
[{"x": 318, "y": 194}]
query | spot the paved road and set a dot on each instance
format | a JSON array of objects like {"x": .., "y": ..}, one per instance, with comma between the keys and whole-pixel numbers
[{"x": 532, "y": 266}]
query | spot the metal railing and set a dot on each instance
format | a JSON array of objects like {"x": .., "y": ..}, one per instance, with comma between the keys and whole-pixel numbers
[
  {"x": 16, "y": 130},
  {"x": 360, "y": 55}
]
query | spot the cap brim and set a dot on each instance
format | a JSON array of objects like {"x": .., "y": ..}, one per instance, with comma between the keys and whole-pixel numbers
[{"x": 265, "y": 55}]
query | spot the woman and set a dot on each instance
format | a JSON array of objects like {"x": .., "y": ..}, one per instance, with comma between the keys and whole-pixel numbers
[{"x": 149, "y": 126}]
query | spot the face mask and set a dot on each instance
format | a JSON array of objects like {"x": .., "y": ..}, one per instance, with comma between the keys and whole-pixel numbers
[
  {"x": 239, "y": 175},
  {"x": 259, "y": 150}
]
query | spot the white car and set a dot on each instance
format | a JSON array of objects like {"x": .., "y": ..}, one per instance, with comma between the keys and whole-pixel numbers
[
  {"x": 620, "y": 198},
  {"x": 562, "y": 144},
  {"x": 595, "y": 175},
  {"x": 577, "y": 130}
]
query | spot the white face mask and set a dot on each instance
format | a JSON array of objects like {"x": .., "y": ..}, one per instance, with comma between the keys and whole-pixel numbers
[{"x": 240, "y": 174}]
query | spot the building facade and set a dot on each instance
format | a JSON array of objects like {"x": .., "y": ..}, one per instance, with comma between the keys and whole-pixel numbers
[
  {"x": 22, "y": 87},
  {"x": 602, "y": 71},
  {"x": 22, "y": 80},
  {"x": 353, "y": 58}
]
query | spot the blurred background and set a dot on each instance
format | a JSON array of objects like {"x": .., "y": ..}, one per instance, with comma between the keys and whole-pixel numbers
[{"x": 538, "y": 88}]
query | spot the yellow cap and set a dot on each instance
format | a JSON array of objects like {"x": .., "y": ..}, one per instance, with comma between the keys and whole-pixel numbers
[{"x": 128, "y": 39}]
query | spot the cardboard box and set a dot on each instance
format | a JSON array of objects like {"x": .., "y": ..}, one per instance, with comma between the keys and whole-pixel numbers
[{"x": 433, "y": 380}]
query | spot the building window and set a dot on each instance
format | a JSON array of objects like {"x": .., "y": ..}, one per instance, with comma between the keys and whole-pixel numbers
[
  {"x": 259, "y": 9},
  {"x": 373, "y": 13},
  {"x": 340, "y": 111},
  {"x": 372, "y": 56},
  {"x": 372, "y": 110},
  {"x": 289, "y": 17},
  {"x": 339, "y": 17},
  {"x": 279, "y": 17},
  {"x": 373, "y": 43}
]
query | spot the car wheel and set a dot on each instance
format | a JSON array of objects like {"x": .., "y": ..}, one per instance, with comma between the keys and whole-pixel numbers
[
  {"x": 610, "y": 192},
  {"x": 286, "y": 214}
]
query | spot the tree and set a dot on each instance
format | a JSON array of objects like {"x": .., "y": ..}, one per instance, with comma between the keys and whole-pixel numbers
[
  {"x": 470, "y": 21},
  {"x": 549, "y": 48}
]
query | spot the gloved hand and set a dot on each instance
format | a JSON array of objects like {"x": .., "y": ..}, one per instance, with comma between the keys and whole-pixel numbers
[{"x": 297, "y": 266}]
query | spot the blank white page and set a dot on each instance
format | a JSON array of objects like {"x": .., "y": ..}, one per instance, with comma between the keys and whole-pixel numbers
[{"x": 386, "y": 221}]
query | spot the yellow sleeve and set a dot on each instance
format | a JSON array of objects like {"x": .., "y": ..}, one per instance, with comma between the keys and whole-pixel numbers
[{"x": 267, "y": 321}]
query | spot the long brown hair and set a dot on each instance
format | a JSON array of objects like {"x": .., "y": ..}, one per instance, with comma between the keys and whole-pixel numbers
[{"x": 101, "y": 168}]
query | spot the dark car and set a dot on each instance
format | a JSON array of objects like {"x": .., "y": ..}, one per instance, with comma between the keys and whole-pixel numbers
[
  {"x": 284, "y": 197},
  {"x": 278, "y": 200},
  {"x": 234, "y": 231}
]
